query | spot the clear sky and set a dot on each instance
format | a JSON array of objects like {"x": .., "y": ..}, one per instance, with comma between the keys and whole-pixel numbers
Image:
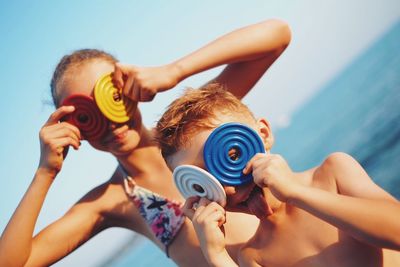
[{"x": 326, "y": 35}]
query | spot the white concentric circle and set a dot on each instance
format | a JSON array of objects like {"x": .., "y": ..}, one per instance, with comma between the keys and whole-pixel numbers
[{"x": 194, "y": 181}]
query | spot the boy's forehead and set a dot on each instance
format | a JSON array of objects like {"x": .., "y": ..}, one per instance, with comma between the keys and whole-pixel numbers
[{"x": 227, "y": 117}]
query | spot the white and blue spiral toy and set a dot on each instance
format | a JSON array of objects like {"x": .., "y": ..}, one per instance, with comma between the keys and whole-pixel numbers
[{"x": 226, "y": 153}]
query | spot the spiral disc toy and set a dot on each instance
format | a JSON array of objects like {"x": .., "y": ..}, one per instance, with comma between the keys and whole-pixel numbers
[
  {"x": 227, "y": 151},
  {"x": 194, "y": 181},
  {"x": 111, "y": 102},
  {"x": 87, "y": 117}
]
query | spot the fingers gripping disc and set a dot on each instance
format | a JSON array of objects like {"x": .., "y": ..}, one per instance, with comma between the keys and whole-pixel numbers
[
  {"x": 111, "y": 102},
  {"x": 227, "y": 151},
  {"x": 87, "y": 117},
  {"x": 194, "y": 181}
]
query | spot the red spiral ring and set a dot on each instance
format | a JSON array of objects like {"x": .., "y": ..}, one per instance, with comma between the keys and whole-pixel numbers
[{"x": 87, "y": 116}]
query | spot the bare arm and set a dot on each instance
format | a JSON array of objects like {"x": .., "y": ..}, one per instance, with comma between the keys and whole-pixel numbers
[
  {"x": 359, "y": 207},
  {"x": 362, "y": 209},
  {"x": 16, "y": 240},
  {"x": 248, "y": 51},
  {"x": 17, "y": 246},
  {"x": 208, "y": 220},
  {"x": 79, "y": 224}
]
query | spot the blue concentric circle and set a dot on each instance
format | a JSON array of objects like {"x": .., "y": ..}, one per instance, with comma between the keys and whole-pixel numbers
[{"x": 227, "y": 151}]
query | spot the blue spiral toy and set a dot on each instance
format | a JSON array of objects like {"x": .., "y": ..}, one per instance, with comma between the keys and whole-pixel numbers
[{"x": 227, "y": 151}]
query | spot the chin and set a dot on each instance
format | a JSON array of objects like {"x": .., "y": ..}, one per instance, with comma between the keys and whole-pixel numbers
[
  {"x": 121, "y": 149},
  {"x": 238, "y": 208}
]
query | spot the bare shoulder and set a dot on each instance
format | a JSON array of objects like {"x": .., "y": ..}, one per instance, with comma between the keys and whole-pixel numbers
[
  {"x": 350, "y": 177},
  {"x": 324, "y": 176},
  {"x": 103, "y": 192},
  {"x": 335, "y": 167},
  {"x": 108, "y": 200},
  {"x": 339, "y": 161}
]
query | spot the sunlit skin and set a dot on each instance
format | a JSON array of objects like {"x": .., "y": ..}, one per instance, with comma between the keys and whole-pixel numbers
[
  {"x": 121, "y": 138},
  {"x": 251, "y": 51},
  {"x": 305, "y": 221},
  {"x": 192, "y": 154}
]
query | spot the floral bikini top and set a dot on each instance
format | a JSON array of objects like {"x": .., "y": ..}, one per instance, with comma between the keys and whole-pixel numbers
[{"x": 163, "y": 216}]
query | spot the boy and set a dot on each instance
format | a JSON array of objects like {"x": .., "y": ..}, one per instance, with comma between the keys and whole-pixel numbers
[{"x": 330, "y": 215}]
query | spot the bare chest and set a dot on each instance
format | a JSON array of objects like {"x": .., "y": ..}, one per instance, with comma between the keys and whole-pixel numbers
[{"x": 307, "y": 242}]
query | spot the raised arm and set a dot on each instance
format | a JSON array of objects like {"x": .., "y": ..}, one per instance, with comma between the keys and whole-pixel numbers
[
  {"x": 18, "y": 247},
  {"x": 359, "y": 207},
  {"x": 248, "y": 51},
  {"x": 362, "y": 209},
  {"x": 83, "y": 221},
  {"x": 208, "y": 219}
]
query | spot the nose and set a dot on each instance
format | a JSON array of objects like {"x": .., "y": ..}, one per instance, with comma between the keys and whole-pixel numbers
[{"x": 112, "y": 125}]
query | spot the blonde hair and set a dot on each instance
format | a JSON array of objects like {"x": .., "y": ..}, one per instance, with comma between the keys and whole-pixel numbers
[
  {"x": 194, "y": 111},
  {"x": 74, "y": 60}
]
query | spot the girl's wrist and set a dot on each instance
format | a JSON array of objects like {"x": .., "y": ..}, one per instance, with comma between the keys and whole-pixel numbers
[
  {"x": 178, "y": 71},
  {"x": 46, "y": 173}
]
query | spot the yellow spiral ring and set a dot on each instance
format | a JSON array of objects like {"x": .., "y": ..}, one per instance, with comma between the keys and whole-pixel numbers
[{"x": 111, "y": 102}]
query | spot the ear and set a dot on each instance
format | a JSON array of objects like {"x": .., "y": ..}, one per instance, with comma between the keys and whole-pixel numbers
[{"x": 264, "y": 129}]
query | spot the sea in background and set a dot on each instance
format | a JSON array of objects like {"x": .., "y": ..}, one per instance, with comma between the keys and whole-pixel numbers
[{"x": 357, "y": 112}]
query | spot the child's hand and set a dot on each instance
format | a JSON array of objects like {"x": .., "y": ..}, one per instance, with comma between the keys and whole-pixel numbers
[
  {"x": 143, "y": 83},
  {"x": 208, "y": 219},
  {"x": 55, "y": 137},
  {"x": 272, "y": 170}
]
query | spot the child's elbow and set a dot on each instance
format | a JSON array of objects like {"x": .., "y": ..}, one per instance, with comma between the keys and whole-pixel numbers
[
  {"x": 396, "y": 235},
  {"x": 282, "y": 31},
  {"x": 397, "y": 245},
  {"x": 286, "y": 33},
  {"x": 392, "y": 242}
]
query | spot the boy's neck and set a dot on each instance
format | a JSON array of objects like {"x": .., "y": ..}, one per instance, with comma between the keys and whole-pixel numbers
[
  {"x": 273, "y": 202},
  {"x": 269, "y": 222}
]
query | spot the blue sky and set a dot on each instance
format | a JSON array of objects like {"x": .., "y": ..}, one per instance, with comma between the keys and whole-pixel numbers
[{"x": 327, "y": 35}]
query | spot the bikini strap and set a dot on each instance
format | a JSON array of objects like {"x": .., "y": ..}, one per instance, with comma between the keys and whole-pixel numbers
[{"x": 129, "y": 182}]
